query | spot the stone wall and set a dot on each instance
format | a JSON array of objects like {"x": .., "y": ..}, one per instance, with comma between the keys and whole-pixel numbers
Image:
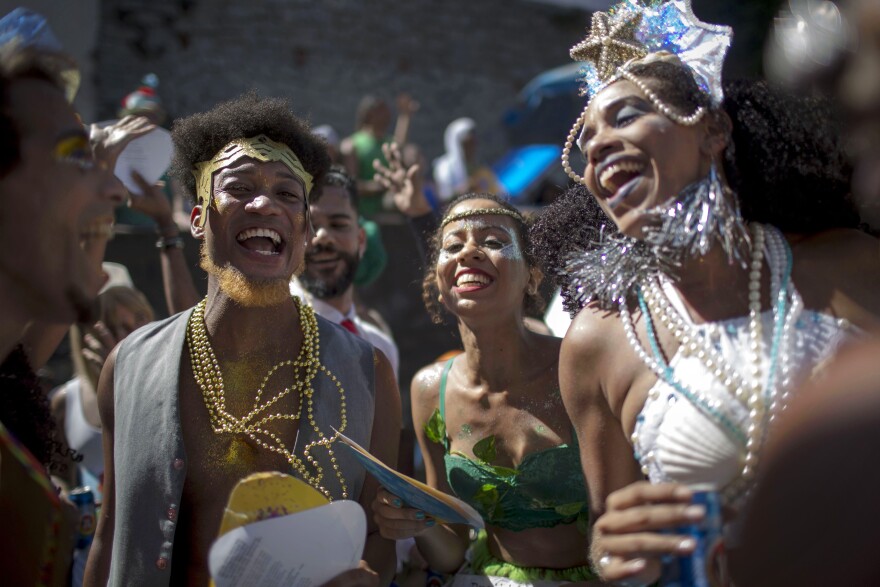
[{"x": 456, "y": 57}]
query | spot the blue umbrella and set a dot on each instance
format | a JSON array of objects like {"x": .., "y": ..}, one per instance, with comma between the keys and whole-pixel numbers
[
  {"x": 546, "y": 107},
  {"x": 522, "y": 169}
]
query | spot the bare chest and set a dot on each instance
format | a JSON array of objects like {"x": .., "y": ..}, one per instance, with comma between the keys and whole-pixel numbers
[
  {"x": 517, "y": 423},
  {"x": 218, "y": 458}
]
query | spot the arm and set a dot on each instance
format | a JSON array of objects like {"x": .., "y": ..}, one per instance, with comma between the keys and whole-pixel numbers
[
  {"x": 379, "y": 552},
  {"x": 627, "y": 513},
  {"x": 443, "y": 546},
  {"x": 180, "y": 291},
  {"x": 838, "y": 271},
  {"x": 98, "y": 566},
  {"x": 406, "y": 106},
  {"x": 606, "y": 455}
]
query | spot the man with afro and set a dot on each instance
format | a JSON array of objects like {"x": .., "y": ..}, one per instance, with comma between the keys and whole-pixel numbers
[{"x": 249, "y": 380}]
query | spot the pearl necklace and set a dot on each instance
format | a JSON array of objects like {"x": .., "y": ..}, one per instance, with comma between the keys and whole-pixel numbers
[
  {"x": 762, "y": 401},
  {"x": 208, "y": 376}
]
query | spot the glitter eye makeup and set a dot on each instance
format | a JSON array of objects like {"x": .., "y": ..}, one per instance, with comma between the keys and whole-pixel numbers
[
  {"x": 509, "y": 250},
  {"x": 74, "y": 150}
]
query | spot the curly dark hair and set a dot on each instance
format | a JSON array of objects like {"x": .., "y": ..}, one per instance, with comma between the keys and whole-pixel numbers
[
  {"x": 24, "y": 411},
  {"x": 337, "y": 176},
  {"x": 532, "y": 304},
  {"x": 200, "y": 136},
  {"x": 785, "y": 161}
]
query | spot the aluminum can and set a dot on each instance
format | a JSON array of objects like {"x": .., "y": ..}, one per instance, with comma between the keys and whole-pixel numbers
[
  {"x": 705, "y": 566},
  {"x": 434, "y": 579},
  {"x": 84, "y": 500}
]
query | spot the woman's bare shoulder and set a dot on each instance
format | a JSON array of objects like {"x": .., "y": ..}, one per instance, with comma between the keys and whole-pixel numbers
[
  {"x": 425, "y": 387},
  {"x": 591, "y": 333}
]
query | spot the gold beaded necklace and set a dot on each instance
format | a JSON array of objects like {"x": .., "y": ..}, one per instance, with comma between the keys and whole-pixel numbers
[{"x": 208, "y": 376}]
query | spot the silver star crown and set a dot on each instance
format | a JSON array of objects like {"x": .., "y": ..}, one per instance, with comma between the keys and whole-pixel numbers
[{"x": 632, "y": 30}]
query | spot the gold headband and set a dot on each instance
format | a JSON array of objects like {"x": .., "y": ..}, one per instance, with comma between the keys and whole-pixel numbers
[
  {"x": 481, "y": 212},
  {"x": 261, "y": 148}
]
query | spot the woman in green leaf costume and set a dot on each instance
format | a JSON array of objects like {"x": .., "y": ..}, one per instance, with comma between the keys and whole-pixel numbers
[{"x": 490, "y": 421}]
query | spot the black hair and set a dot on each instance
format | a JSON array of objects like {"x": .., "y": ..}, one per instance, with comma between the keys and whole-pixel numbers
[
  {"x": 200, "y": 136},
  {"x": 18, "y": 64},
  {"x": 785, "y": 161},
  {"x": 339, "y": 177},
  {"x": 532, "y": 304},
  {"x": 25, "y": 412}
]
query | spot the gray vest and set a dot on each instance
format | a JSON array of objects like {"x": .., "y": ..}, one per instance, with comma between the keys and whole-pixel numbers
[{"x": 148, "y": 452}]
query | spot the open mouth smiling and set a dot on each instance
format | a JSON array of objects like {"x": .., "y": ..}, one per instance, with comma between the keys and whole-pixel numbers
[
  {"x": 618, "y": 178},
  {"x": 96, "y": 230},
  {"x": 472, "y": 280},
  {"x": 263, "y": 241}
]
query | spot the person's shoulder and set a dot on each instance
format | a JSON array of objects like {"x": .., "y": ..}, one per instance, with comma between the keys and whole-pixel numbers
[
  {"x": 334, "y": 336},
  {"x": 831, "y": 244},
  {"x": 425, "y": 391},
  {"x": 374, "y": 332},
  {"x": 158, "y": 326},
  {"x": 426, "y": 382},
  {"x": 591, "y": 331},
  {"x": 838, "y": 271}
]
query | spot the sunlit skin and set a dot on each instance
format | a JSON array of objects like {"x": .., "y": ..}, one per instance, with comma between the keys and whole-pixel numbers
[
  {"x": 604, "y": 383},
  {"x": 252, "y": 194},
  {"x": 623, "y": 126},
  {"x": 52, "y": 198},
  {"x": 504, "y": 385},
  {"x": 247, "y": 341}
]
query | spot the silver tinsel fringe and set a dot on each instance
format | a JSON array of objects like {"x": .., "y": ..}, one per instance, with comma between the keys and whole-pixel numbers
[
  {"x": 702, "y": 215},
  {"x": 705, "y": 213}
]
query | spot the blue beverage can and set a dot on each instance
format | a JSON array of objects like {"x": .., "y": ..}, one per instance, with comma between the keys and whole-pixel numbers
[
  {"x": 705, "y": 566},
  {"x": 84, "y": 500},
  {"x": 434, "y": 579}
]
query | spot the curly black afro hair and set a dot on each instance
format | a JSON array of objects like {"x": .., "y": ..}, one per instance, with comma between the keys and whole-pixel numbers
[
  {"x": 785, "y": 162},
  {"x": 24, "y": 411},
  {"x": 198, "y": 137},
  {"x": 532, "y": 304}
]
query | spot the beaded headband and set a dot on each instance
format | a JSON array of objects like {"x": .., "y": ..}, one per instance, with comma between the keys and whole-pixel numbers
[
  {"x": 261, "y": 148},
  {"x": 633, "y": 33},
  {"x": 482, "y": 212}
]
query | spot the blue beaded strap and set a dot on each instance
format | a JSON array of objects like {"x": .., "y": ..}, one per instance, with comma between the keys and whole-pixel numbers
[
  {"x": 781, "y": 303},
  {"x": 730, "y": 427},
  {"x": 778, "y": 323}
]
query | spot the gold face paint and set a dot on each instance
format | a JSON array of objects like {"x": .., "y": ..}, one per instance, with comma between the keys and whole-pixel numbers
[
  {"x": 261, "y": 148},
  {"x": 74, "y": 150}
]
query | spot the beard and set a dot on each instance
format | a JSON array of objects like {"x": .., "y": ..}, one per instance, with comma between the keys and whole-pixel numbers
[
  {"x": 250, "y": 293},
  {"x": 329, "y": 287}
]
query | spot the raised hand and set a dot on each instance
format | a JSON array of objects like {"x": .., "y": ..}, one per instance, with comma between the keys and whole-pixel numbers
[
  {"x": 98, "y": 341},
  {"x": 406, "y": 105},
  {"x": 404, "y": 184},
  {"x": 108, "y": 142},
  {"x": 152, "y": 202}
]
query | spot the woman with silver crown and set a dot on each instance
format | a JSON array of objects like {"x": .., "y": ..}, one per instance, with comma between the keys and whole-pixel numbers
[{"x": 695, "y": 319}]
